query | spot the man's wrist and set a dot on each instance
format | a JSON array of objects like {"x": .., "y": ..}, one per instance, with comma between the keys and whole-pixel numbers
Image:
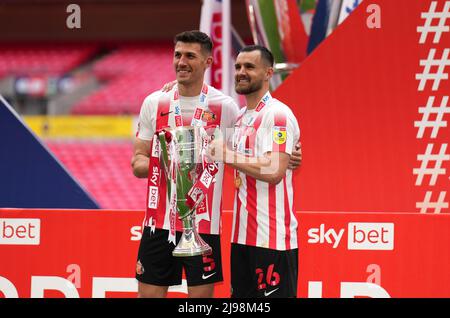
[{"x": 230, "y": 156}]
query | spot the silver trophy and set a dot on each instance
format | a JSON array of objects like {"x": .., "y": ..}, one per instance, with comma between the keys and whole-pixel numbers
[{"x": 182, "y": 158}]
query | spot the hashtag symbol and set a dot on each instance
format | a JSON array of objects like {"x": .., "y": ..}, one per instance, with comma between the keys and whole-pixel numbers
[
  {"x": 426, "y": 158},
  {"x": 439, "y": 75},
  {"x": 437, "y": 206},
  {"x": 429, "y": 17},
  {"x": 435, "y": 124}
]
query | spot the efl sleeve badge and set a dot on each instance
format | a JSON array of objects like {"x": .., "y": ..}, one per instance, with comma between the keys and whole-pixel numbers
[{"x": 279, "y": 135}]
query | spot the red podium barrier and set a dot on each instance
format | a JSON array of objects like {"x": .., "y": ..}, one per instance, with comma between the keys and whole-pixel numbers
[{"x": 92, "y": 253}]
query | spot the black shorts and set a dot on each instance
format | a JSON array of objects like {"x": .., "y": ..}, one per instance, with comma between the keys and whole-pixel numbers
[
  {"x": 263, "y": 273},
  {"x": 157, "y": 266}
]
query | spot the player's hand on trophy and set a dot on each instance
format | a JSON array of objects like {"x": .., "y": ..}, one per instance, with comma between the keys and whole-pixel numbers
[
  {"x": 218, "y": 151},
  {"x": 168, "y": 86},
  {"x": 296, "y": 157}
]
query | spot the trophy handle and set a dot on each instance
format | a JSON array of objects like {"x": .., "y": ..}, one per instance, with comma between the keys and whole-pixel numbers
[{"x": 164, "y": 153}]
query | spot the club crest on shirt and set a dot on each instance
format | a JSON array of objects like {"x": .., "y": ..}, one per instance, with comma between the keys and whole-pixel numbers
[
  {"x": 279, "y": 135},
  {"x": 208, "y": 116}
]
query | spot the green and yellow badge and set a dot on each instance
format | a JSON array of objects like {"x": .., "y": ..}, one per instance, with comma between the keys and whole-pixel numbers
[{"x": 279, "y": 135}]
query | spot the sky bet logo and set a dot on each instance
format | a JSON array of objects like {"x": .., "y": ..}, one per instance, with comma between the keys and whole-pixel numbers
[
  {"x": 20, "y": 231},
  {"x": 360, "y": 236}
]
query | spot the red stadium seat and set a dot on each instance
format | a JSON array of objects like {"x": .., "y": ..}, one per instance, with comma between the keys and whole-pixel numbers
[
  {"x": 43, "y": 60},
  {"x": 103, "y": 169},
  {"x": 131, "y": 72}
]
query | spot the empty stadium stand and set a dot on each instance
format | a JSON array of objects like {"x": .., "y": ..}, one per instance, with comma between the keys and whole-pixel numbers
[
  {"x": 103, "y": 168},
  {"x": 42, "y": 59},
  {"x": 128, "y": 74}
]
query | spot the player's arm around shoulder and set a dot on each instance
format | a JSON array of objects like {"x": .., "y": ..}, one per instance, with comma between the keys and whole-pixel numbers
[{"x": 230, "y": 108}]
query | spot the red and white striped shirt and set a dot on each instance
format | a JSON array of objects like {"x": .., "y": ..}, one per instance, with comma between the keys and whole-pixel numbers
[
  {"x": 264, "y": 214},
  {"x": 221, "y": 110}
]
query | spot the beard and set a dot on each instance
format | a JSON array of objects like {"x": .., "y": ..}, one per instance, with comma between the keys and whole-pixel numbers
[{"x": 246, "y": 90}]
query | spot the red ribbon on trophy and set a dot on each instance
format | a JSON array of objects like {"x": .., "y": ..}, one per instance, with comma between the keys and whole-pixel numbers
[{"x": 200, "y": 188}]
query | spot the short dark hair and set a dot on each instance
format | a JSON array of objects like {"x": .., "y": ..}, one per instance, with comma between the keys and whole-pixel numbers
[
  {"x": 265, "y": 53},
  {"x": 195, "y": 36}
]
